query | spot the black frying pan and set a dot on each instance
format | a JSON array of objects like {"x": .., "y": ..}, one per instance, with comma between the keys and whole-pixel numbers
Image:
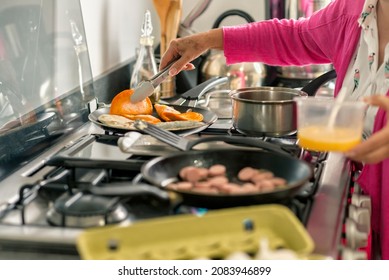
[
  {"x": 163, "y": 170},
  {"x": 190, "y": 97}
]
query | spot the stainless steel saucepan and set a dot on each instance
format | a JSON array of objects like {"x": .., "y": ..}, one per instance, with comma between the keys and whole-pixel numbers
[{"x": 270, "y": 111}]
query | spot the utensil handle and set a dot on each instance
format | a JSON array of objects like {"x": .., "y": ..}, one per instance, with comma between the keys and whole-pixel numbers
[
  {"x": 158, "y": 78},
  {"x": 253, "y": 142},
  {"x": 197, "y": 11},
  {"x": 312, "y": 87},
  {"x": 163, "y": 135},
  {"x": 335, "y": 109},
  {"x": 233, "y": 12},
  {"x": 196, "y": 92},
  {"x": 126, "y": 189}
]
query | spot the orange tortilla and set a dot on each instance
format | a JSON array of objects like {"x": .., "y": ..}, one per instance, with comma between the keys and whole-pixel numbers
[{"x": 121, "y": 105}]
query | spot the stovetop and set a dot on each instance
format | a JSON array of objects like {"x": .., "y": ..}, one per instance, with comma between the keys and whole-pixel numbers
[{"x": 34, "y": 221}]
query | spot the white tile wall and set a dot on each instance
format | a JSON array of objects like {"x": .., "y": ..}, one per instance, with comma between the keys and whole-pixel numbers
[{"x": 113, "y": 26}]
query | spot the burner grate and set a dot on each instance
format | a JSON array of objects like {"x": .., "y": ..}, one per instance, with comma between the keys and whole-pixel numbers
[{"x": 83, "y": 210}]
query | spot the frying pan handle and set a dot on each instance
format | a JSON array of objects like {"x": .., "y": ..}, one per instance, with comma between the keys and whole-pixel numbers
[
  {"x": 312, "y": 87},
  {"x": 248, "y": 141},
  {"x": 126, "y": 189}
]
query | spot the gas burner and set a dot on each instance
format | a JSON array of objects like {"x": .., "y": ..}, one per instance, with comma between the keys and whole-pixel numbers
[{"x": 86, "y": 210}]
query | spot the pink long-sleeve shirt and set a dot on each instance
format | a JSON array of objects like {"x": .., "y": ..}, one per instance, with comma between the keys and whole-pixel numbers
[{"x": 330, "y": 35}]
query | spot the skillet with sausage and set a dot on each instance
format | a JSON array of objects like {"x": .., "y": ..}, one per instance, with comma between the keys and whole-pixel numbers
[{"x": 165, "y": 170}]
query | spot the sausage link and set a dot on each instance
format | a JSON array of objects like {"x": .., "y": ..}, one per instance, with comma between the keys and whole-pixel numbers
[
  {"x": 279, "y": 182},
  {"x": 185, "y": 171},
  {"x": 217, "y": 170},
  {"x": 267, "y": 186},
  {"x": 238, "y": 190},
  {"x": 206, "y": 191},
  {"x": 232, "y": 188},
  {"x": 196, "y": 174},
  {"x": 213, "y": 180},
  {"x": 218, "y": 181},
  {"x": 249, "y": 188},
  {"x": 246, "y": 173},
  {"x": 264, "y": 175},
  {"x": 181, "y": 186},
  {"x": 203, "y": 185}
]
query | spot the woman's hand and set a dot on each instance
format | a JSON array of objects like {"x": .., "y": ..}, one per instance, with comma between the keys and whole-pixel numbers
[
  {"x": 189, "y": 48},
  {"x": 376, "y": 147}
]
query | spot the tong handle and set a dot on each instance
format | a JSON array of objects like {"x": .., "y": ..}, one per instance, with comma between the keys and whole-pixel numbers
[{"x": 158, "y": 78}]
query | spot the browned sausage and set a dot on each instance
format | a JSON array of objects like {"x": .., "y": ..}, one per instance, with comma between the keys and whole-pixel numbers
[
  {"x": 206, "y": 191},
  {"x": 218, "y": 181},
  {"x": 203, "y": 185},
  {"x": 237, "y": 189},
  {"x": 246, "y": 173},
  {"x": 267, "y": 185},
  {"x": 250, "y": 188},
  {"x": 172, "y": 186},
  {"x": 204, "y": 172},
  {"x": 185, "y": 171},
  {"x": 181, "y": 186},
  {"x": 262, "y": 175},
  {"x": 258, "y": 185},
  {"x": 213, "y": 180},
  {"x": 279, "y": 182},
  {"x": 229, "y": 187},
  {"x": 217, "y": 170},
  {"x": 196, "y": 174}
]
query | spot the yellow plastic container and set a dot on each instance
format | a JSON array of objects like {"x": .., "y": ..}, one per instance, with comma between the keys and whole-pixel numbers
[{"x": 213, "y": 236}]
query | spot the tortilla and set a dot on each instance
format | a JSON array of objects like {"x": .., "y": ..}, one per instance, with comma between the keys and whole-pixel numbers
[
  {"x": 116, "y": 121},
  {"x": 121, "y": 122},
  {"x": 179, "y": 125}
]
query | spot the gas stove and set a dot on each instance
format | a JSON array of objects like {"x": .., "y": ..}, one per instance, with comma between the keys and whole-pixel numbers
[
  {"x": 61, "y": 174},
  {"x": 86, "y": 181}
]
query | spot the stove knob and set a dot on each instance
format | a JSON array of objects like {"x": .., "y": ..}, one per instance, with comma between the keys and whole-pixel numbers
[
  {"x": 356, "y": 235},
  {"x": 350, "y": 254},
  {"x": 360, "y": 200},
  {"x": 359, "y": 214}
]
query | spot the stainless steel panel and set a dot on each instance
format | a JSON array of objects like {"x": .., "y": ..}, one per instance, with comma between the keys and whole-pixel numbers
[{"x": 326, "y": 218}]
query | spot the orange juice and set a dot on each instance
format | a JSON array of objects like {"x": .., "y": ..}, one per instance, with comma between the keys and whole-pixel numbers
[{"x": 323, "y": 138}]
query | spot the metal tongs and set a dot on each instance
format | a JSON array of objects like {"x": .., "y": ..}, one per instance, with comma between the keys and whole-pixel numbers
[{"x": 147, "y": 87}]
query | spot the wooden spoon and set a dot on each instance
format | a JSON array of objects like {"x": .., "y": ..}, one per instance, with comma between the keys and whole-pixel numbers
[
  {"x": 162, "y": 8},
  {"x": 172, "y": 26},
  {"x": 173, "y": 21}
]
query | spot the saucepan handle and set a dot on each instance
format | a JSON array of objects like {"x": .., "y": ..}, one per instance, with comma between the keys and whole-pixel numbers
[
  {"x": 312, "y": 87},
  {"x": 195, "y": 93}
]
